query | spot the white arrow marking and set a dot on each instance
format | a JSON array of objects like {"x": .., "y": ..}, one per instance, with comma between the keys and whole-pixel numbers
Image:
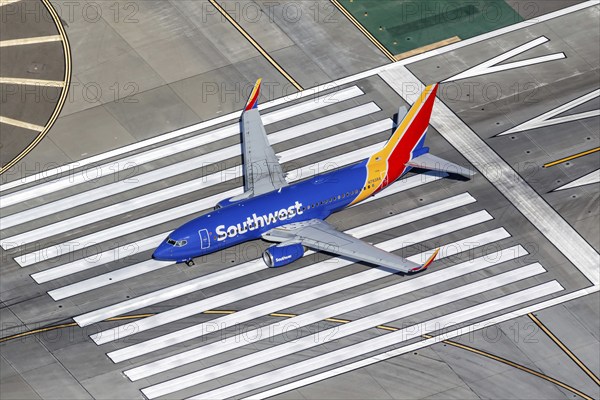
[
  {"x": 592, "y": 177},
  {"x": 491, "y": 65},
  {"x": 547, "y": 119}
]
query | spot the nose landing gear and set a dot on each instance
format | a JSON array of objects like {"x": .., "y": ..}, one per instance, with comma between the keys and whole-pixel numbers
[{"x": 190, "y": 263}]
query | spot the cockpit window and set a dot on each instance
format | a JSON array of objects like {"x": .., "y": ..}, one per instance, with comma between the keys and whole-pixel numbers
[{"x": 176, "y": 243}]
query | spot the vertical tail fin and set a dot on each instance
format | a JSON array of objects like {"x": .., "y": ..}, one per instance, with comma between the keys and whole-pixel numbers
[
  {"x": 406, "y": 143},
  {"x": 253, "y": 99}
]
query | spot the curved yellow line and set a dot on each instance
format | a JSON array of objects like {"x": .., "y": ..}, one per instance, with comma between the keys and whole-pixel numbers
[{"x": 63, "y": 95}]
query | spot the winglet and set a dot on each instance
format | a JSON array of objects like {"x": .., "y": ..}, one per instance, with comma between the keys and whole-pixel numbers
[
  {"x": 253, "y": 99},
  {"x": 427, "y": 263}
]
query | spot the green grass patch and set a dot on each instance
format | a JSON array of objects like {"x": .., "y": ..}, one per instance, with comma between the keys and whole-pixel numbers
[{"x": 404, "y": 25}]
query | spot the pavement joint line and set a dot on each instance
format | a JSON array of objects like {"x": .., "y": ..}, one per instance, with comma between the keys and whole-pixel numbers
[
  {"x": 572, "y": 157},
  {"x": 514, "y": 365},
  {"x": 364, "y": 31},
  {"x": 564, "y": 348},
  {"x": 512, "y": 186},
  {"x": 63, "y": 94},
  {"x": 21, "y": 124},
  {"x": 256, "y": 45},
  {"x": 32, "y": 40}
]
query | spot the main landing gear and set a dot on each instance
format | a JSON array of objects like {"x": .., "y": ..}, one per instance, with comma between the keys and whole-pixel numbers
[{"x": 190, "y": 263}]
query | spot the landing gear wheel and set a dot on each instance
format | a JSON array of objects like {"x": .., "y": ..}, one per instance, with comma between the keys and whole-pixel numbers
[{"x": 190, "y": 263}]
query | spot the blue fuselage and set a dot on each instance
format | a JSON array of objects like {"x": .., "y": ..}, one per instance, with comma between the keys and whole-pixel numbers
[{"x": 248, "y": 219}]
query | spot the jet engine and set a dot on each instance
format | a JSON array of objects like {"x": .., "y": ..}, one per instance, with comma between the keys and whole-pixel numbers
[{"x": 281, "y": 254}]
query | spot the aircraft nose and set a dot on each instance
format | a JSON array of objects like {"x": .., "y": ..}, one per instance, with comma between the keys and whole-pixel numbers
[{"x": 162, "y": 253}]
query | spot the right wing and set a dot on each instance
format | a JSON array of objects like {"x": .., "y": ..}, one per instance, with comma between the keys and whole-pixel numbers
[
  {"x": 262, "y": 171},
  {"x": 319, "y": 235}
]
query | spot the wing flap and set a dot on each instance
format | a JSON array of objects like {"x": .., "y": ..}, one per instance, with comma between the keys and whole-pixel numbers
[{"x": 319, "y": 235}]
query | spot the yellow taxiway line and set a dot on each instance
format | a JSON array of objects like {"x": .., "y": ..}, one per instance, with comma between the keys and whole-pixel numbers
[
  {"x": 21, "y": 124},
  {"x": 334, "y": 320},
  {"x": 65, "y": 87},
  {"x": 365, "y": 32},
  {"x": 256, "y": 45},
  {"x": 31, "y": 40},
  {"x": 564, "y": 348},
  {"x": 569, "y": 158}
]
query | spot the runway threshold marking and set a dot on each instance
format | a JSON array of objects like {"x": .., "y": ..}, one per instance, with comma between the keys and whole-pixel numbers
[
  {"x": 569, "y": 158},
  {"x": 365, "y": 32},
  {"x": 334, "y": 320},
  {"x": 64, "y": 92},
  {"x": 31, "y": 40},
  {"x": 256, "y": 45},
  {"x": 514, "y": 365},
  {"x": 21, "y": 124},
  {"x": 564, "y": 348}
]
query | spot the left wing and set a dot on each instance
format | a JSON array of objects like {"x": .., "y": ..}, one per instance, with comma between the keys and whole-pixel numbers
[
  {"x": 262, "y": 171},
  {"x": 319, "y": 235}
]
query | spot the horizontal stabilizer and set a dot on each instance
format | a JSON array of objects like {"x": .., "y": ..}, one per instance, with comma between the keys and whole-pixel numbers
[{"x": 433, "y": 163}]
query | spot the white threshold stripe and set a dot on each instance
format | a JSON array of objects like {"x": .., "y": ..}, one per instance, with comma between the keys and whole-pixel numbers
[
  {"x": 278, "y": 281},
  {"x": 173, "y": 169},
  {"x": 178, "y": 147},
  {"x": 424, "y": 343},
  {"x": 65, "y": 248},
  {"x": 236, "y": 272},
  {"x": 233, "y": 342},
  {"x": 130, "y": 249},
  {"x": 381, "y": 342},
  {"x": 111, "y": 277},
  {"x": 172, "y": 192},
  {"x": 274, "y": 116},
  {"x": 96, "y": 260},
  {"x": 310, "y": 105},
  {"x": 305, "y": 93},
  {"x": 341, "y": 331}
]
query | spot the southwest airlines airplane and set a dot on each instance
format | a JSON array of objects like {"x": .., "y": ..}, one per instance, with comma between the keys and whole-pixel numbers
[{"x": 293, "y": 216}]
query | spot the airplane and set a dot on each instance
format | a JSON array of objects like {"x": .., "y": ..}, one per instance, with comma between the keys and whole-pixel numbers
[{"x": 293, "y": 215}]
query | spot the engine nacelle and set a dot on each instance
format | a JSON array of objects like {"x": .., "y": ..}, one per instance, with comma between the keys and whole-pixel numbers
[{"x": 280, "y": 255}]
